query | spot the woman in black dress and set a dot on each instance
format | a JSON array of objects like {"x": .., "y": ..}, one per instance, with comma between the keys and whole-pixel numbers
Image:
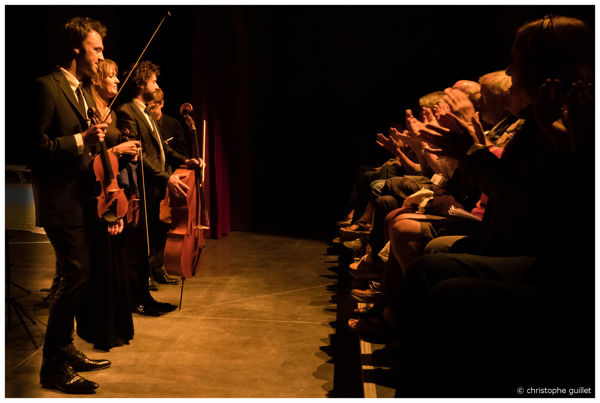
[{"x": 104, "y": 318}]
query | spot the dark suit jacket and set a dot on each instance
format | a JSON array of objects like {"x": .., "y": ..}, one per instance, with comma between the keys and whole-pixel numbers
[
  {"x": 61, "y": 177},
  {"x": 156, "y": 174},
  {"x": 170, "y": 127}
]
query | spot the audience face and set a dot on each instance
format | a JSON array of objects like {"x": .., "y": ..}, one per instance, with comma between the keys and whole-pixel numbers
[{"x": 519, "y": 96}]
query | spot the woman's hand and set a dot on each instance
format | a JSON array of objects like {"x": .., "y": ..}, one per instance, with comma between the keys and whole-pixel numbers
[
  {"x": 447, "y": 142},
  {"x": 580, "y": 115},
  {"x": 459, "y": 104}
]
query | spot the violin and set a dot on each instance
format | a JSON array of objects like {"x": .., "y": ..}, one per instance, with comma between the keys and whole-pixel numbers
[
  {"x": 112, "y": 203},
  {"x": 185, "y": 238}
]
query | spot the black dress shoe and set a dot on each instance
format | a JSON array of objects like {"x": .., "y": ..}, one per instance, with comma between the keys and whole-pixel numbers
[
  {"x": 79, "y": 362},
  {"x": 147, "y": 310},
  {"x": 64, "y": 378},
  {"x": 165, "y": 307},
  {"x": 160, "y": 275},
  {"x": 152, "y": 285}
]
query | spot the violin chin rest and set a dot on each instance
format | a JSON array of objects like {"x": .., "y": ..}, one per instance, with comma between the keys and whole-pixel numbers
[{"x": 110, "y": 217}]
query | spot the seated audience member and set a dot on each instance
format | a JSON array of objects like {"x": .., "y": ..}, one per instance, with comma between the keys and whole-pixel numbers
[
  {"x": 409, "y": 233},
  {"x": 405, "y": 156},
  {"x": 397, "y": 189},
  {"x": 404, "y": 162}
]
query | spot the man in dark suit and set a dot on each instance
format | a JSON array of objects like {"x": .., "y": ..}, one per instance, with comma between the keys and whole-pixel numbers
[
  {"x": 60, "y": 141},
  {"x": 168, "y": 126},
  {"x": 135, "y": 117},
  {"x": 172, "y": 133}
]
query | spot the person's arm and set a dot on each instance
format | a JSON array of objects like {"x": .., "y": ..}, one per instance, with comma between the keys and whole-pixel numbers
[
  {"x": 42, "y": 146},
  {"x": 477, "y": 164}
]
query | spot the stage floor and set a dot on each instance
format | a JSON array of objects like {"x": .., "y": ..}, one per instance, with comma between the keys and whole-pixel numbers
[{"x": 258, "y": 320}]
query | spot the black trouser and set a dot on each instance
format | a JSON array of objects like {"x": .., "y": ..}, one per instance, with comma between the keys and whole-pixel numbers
[{"x": 72, "y": 249}]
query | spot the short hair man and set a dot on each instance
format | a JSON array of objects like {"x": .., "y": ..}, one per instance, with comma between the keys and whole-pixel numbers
[
  {"x": 135, "y": 116},
  {"x": 60, "y": 143},
  {"x": 168, "y": 126}
]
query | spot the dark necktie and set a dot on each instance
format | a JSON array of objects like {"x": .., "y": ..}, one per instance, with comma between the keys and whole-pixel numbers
[
  {"x": 81, "y": 101},
  {"x": 156, "y": 135}
]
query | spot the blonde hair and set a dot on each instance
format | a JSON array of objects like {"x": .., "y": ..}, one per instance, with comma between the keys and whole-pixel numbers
[
  {"x": 497, "y": 82},
  {"x": 105, "y": 68}
]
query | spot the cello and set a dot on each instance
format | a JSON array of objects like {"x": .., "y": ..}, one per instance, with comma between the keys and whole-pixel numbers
[{"x": 187, "y": 215}]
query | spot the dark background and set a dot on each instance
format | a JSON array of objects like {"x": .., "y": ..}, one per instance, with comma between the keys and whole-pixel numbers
[{"x": 298, "y": 92}]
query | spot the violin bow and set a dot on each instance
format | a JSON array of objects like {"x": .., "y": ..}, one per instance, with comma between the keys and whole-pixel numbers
[{"x": 109, "y": 109}]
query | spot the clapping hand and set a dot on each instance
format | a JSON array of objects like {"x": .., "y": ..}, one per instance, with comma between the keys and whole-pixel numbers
[
  {"x": 565, "y": 120},
  {"x": 451, "y": 143},
  {"x": 459, "y": 104},
  {"x": 393, "y": 144},
  {"x": 580, "y": 117}
]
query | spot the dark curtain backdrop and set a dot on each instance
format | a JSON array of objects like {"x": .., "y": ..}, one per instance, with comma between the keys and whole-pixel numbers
[{"x": 293, "y": 95}]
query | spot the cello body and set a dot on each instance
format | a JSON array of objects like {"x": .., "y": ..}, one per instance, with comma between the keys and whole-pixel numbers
[{"x": 185, "y": 239}]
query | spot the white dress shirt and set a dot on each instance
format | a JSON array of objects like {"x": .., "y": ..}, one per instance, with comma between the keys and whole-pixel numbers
[{"x": 74, "y": 84}]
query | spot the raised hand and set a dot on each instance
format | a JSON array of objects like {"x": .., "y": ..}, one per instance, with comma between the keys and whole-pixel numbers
[
  {"x": 386, "y": 143},
  {"x": 445, "y": 142},
  {"x": 94, "y": 134},
  {"x": 459, "y": 104},
  {"x": 441, "y": 108},
  {"x": 478, "y": 132},
  {"x": 428, "y": 117},
  {"x": 580, "y": 114},
  {"x": 413, "y": 124}
]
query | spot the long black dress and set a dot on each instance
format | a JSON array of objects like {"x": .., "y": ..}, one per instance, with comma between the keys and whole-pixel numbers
[{"x": 104, "y": 316}]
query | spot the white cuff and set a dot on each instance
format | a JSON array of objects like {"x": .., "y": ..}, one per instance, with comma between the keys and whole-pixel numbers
[{"x": 79, "y": 141}]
